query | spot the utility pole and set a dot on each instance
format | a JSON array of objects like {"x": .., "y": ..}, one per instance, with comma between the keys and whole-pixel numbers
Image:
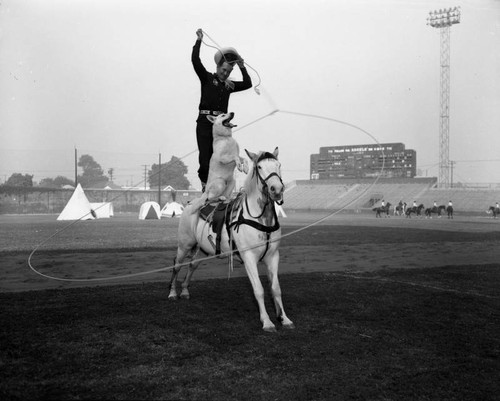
[
  {"x": 451, "y": 168},
  {"x": 444, "y": 19},
  {"x": 110, "y": 173},
  {"x": 145, "y": 174},
  {"x": 159, "y": 179},
  {"x": 76, "y": 167}
]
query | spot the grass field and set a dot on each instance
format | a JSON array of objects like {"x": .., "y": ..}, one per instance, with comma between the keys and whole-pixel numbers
[{"x": 381, "y": 313}]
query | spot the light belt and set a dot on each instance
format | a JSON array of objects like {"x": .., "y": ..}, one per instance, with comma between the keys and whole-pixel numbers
[{"x": 214, "y": 113}]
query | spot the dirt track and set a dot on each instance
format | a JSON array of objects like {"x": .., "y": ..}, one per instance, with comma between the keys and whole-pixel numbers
[{"x": 346, "y": 243}]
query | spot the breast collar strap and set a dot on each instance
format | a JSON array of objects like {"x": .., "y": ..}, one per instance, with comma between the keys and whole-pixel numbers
[{"x": 255, "y": 224}]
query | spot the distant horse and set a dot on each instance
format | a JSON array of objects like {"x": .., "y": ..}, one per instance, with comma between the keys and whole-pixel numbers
[
  {"x": 415, "y": 209},
  {"x": 434, "y": 209},
  {"x": 251, "y": 228},
  {"x": 382, "y": 209},
  {"x": 449, "y": 210},
  {"x": 494, "y": 210},
  {"x": 400, "y": 209}
]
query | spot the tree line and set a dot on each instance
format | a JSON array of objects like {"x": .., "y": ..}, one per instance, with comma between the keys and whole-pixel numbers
[{"x": 172, "y": 173}]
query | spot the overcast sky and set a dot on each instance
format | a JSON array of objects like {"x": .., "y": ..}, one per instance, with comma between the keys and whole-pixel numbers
[{"x": 113, "y": 78}]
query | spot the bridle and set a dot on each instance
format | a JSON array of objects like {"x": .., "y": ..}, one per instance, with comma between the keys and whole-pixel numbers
[{"x": 263, "y": 181}]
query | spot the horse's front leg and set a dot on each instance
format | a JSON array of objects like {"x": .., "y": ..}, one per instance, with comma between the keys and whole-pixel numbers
[
  {"x": 173, "y": 280},
  {"x": 185, "y": 284},
  {"x": 272, "y": 262},
  {"x": 182, "y": 252},
  {"x": 258, "y": 291}
]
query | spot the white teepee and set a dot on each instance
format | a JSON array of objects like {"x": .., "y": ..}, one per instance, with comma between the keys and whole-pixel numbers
[
  {"x": 78, "y": 207},
  {"x": 172, "y": 209},
  {"x": 150, "y": 210}
]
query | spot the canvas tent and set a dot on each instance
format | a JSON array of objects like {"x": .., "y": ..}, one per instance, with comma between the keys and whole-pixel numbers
[
  {"x": 103, "y": 210},
  {"x": 150, "y": 210},
  {"x": 279, "y": 210},
  {"x": 78, "y": 207},
  {"x": 172, "y": 209},
  {"x": 112, "y": 185}
]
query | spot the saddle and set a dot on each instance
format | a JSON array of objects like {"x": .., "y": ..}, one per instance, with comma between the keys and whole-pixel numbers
[{"x": 218, "y": 215}]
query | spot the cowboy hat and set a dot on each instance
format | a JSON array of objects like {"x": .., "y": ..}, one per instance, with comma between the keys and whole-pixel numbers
[{"x": 228, "y": 54}]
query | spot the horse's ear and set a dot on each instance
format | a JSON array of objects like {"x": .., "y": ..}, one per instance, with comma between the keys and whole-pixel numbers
[
  {"x": 251, "y": 155},
  {"x": 276, "y": 152},
  {"x": 211, "y": 119}
]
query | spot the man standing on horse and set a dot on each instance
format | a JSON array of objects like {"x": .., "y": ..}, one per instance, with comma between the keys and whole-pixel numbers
[{"x": 215, "y": 91}]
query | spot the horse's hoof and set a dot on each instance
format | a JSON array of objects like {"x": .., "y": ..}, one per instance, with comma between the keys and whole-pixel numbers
[
  {"x": 289, "y": 326},
  {"x": 184, "y": 296},
  {"x": 270, "y": 329},
  {"x": 172, "y": 297}
]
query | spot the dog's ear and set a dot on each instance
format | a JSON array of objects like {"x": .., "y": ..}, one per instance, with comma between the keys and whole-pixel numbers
[
  {"x": 276, "y": 152},
  {"x": 211, "y": 119},
  {"x": 251, "y": 155}
]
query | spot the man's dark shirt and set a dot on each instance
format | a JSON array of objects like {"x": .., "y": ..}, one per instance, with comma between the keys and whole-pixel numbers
[{"x": 215, "y": 93}]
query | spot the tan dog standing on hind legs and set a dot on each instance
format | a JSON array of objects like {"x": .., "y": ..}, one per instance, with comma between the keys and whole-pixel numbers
[{"x": 225, "y": 158}]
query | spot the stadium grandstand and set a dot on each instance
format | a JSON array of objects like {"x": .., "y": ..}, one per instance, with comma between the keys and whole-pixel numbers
[
  {"x": 357, "y": 178},
  {"x": 358, "y": 195}
]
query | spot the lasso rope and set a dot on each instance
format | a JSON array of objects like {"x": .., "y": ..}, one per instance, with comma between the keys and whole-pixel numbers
[
  {"x": 333, "y": 213},
  {"x": 217, "y": 47},
  {"x": 230, "y": 253}
]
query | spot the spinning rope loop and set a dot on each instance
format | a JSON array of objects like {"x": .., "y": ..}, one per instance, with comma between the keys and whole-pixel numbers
[{"x": 230, "y": 253}]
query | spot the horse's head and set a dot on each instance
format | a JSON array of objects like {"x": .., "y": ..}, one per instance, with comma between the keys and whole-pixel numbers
[{"x": 267, "y": 169}]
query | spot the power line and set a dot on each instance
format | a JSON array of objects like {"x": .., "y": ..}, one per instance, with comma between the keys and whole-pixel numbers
[{"x": 477, "y": 161}]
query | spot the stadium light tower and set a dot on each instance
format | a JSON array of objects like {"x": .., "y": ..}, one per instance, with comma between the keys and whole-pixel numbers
[{"x": 444, "y": 19}]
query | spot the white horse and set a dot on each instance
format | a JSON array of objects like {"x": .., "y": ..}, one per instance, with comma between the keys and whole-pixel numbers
[{"x": 252, "y": 228}]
